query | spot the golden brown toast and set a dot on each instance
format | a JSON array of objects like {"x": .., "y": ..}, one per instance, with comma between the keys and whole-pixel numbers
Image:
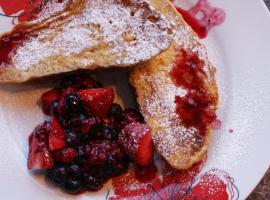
[
  {"x": 83, "y": 34},
  {"x": 180, "y": 109}
]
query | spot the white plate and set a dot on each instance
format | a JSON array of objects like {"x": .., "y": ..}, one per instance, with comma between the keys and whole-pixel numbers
[{"x": 239, "y": 48}]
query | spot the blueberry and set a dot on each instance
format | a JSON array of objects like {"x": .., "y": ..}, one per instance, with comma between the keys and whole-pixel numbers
[
  {"x": 115, "y": 167},
  {"x": 109, "y": 133},
  {"x": 73, "y": 186},
  {"x": 96, "y": 132},
  {"x": 54, "y": 108},
  {"x": 72, "y": 103},
  {"x": 76, "y": 121},
  {"x": 74, "y": 170},
  {"x": 72, "y": 138},
  {"x": 116, "y": 111},
  {"x": 80, "y": 151},
  {"x": 96, "y": 171},
  {"x": 84, "y": 138},
  {"x": 93, "y": 183},
  {"x": 58, "y": 174}
]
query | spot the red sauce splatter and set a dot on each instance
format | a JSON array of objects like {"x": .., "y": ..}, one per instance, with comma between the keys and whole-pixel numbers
[
  {"x": 210, "y": 17},
  {"x": 217, "y": 124},
  {"x": 197, "y": 108}
]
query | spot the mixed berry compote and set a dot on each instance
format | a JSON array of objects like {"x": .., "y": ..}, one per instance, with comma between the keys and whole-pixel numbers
[{"x": 88, "y": 139}]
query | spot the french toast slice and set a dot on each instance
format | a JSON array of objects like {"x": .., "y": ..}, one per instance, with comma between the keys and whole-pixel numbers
[
  {"x": 177, "y": 94},
  {"x": 83, "y": 34}
]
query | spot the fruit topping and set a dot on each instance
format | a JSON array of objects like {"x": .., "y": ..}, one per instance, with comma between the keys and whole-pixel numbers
[
  {"x": 58, "y": 174},
  {"x": 72, "y": 103},
  {"x": 39, "y": 156},
  {"x": 115, "y": 167},
  {"x": 116, "y": 111},
  {"x": 89, "y": 123},
  {"x": 129, "y": 116},
  {"x": 109, "y": 133},
  {"x": 73, "y": 186},
  {"x": 81, "y": 147},
  {"x": 47, "y": 99},
  {"x": 66, "y": 155},
  {"x": 72, "y": 138},
  {"x": 136, "y": 140},
  {"x": 101, "y": 150},
  {"x": 98, "y": 101},
  {"x": 56, "y": 136},
  {"x": 92, "y": 183}
]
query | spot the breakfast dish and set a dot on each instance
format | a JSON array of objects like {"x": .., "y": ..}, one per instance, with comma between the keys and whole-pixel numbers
[
  {"x": 177, "y": 94},
  {"x": 81, "y": 34},
  {"x": 94, "y": 142},
  {"x": 89, "y": 140},
  {"x": 103, "y": 34}
]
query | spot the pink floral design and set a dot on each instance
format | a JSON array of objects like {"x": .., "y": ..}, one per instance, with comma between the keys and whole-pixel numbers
[
  {"x": 170, "y": 184},
  {"x": 24, "y": 10}
]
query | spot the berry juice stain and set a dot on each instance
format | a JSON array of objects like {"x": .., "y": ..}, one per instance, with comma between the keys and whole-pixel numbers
[
  {"x": 202, "y": 17},
  {"x": 10, "y": 42},
  {"x": 197, "y": 108}
]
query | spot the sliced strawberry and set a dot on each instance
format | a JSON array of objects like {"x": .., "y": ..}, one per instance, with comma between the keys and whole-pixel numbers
[
  {"x": 47, "y": 98},
  {"x": 57, "y": 136},
  {"x": 40, "y": 160},
  {"x": 136, "y": 139},
  {"x": 98, "y": 101},
  {"x": 65, "y": 156},
  {"x": 39, "y": 157},
  {"x": 88, "y": 124}
]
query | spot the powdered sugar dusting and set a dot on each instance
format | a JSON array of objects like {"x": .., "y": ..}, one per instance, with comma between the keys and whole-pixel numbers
[
  {"x": 130, "y": 33},
  {"x": 51, "y": 8},
  {"x": 131, "y": 136},
  {"x": 170, "y": 135}
]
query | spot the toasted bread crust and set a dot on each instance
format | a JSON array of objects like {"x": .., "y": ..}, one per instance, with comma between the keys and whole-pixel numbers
[
  {"x": 180, "y": 146},
  {"x": 87, "y": 35}
]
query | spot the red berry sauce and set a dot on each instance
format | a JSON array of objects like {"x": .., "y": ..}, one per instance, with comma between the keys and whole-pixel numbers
[
  {"x": 196, "y": 109},
  {"x": 10, "y": 42},
  {"x": 210, "y": 17}
]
